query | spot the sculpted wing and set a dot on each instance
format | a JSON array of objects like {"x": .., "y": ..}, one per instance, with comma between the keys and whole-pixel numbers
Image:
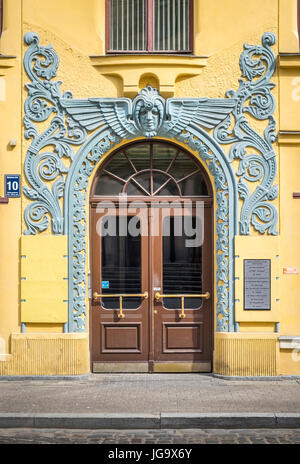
[
  {"x": 95, "y": 112},
  {"x": 207, "y": 112}
]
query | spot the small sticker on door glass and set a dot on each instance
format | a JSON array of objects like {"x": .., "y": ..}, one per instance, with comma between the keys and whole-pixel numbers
[{"x": 105, "y": 283}]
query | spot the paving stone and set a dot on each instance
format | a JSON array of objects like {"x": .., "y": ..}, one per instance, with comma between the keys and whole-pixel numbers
[
  {"x": 150, "y": 394},
  {"x": 193, "y": 436}
]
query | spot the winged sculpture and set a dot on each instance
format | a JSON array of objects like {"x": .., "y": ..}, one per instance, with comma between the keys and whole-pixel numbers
[{"x": 148, "y": 114}]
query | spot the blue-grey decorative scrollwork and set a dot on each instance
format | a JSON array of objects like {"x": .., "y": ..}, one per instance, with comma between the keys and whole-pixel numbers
[
  {"x": 77, "y": 232},
  {"x": 53, "y": 178},
  {"x": 44, "y": 160},
  {"x": 257, "y": 160}
]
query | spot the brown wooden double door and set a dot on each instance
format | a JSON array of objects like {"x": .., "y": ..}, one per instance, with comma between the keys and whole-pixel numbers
[{"x": 137, "y": 258}]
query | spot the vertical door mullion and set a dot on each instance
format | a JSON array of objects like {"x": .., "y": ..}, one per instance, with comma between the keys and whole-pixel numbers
[{"x": 151, "y": 171}]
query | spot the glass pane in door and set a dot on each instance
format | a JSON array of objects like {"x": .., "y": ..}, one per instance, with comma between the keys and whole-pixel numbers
[
  {"x": 120, "y": 262},
  {"x": 182, "y": 265}
]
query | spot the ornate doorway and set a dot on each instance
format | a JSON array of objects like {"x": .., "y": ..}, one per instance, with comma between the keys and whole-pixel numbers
[{"x": 151, "y": 262}]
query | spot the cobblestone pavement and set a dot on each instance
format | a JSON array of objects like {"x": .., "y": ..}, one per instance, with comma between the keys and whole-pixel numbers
[{"x": 183, "y": 436}]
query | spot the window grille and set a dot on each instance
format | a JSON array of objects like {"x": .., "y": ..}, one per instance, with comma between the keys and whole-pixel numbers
[{"x": 156, "y": 26}]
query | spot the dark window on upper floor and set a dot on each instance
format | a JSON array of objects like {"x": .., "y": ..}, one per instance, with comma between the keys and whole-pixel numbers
[
  {"x": 298, "y": 15},
  {"x": 149, "y": 26},
  {"x": 1, "y": 17}
]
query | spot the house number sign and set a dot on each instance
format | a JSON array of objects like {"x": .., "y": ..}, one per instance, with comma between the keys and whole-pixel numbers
[
  {"x": 12, "y": 184},
  {"x": 257, "y": 284}
]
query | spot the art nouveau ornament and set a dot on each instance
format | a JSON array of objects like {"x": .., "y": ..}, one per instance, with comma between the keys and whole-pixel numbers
[
  {"x": 148, "y": 114},
  {"x": 96, "y": 125}
]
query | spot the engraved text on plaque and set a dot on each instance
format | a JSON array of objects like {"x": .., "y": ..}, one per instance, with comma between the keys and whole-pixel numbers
[{"x": 257, "y": 284}]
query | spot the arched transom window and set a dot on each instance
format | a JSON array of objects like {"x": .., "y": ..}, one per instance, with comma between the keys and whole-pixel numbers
[{"x": 151, "y": 169}]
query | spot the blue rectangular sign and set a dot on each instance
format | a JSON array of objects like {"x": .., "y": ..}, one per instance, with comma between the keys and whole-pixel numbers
[
  {"x": 105, "y": 283},
  {"x": 12, "y": 185}
]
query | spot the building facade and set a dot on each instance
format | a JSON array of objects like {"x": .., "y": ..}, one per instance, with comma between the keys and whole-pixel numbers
[{"x": 150, "y": 193}]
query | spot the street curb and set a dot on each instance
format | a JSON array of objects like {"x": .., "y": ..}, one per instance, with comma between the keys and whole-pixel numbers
[
  {"x": 151, "y": 421},
  {"x": 80, "y": 421},
  {"x": 216, "y": 420}
]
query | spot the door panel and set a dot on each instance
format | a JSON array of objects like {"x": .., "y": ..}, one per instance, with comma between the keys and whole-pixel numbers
[
  {"x": 120, "y": 265},
  {"x": 169, "y": 334},
  {"x": 182, "y": 338},
  {"x": 120, "y": 338},
  {"x": 183, "y": 326}
]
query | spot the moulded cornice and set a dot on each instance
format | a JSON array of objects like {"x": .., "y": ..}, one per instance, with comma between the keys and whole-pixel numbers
[
  {"x": 289, "y": 60},
  {"x": 289, "y": 137},
  {"x": 7, "y": 61},
  {"x": 166, "y": 68}
]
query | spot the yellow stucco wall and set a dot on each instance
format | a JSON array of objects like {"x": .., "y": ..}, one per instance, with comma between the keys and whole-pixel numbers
[
  {"x": 44, "y": 274},
  {"x": 76, "y": 30},
  {"x": 289, "y": 168},
  {"x": 10, "y": 163},
  {"x": 289, "y": 240}
]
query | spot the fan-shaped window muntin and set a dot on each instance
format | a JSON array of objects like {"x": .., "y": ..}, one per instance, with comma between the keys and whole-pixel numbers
[{"x": 151, "y": 169}]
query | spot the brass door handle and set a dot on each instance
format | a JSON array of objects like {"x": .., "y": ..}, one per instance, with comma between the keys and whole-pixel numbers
[
  {"x": 121, "y": 315},
  {"x": 182, "y": 314},
  {"x": 118, "y": 295},
  {"x": 158, "y": 295}
]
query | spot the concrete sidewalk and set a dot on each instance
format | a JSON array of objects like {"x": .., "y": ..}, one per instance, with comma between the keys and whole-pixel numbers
[{"x": 150, "y": 401}]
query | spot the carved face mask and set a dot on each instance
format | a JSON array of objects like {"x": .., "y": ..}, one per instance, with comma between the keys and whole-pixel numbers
[
  {"x": 149, "y": 112},
  {"x": 149, "y": 117}
]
